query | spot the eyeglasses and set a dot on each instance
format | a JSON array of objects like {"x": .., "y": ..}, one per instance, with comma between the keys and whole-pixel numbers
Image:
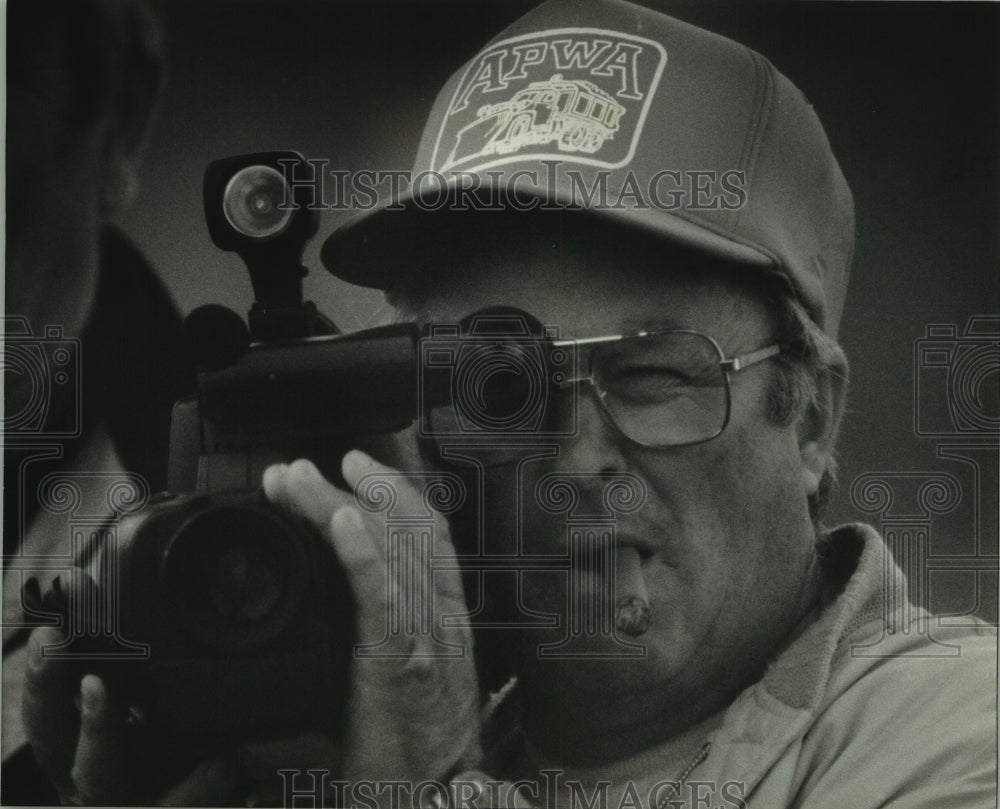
[
  {"x": 659, "y": 389},
  {"x": 664, "y": 388}
]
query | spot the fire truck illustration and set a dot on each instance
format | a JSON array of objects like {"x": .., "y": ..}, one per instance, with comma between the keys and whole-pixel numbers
[{"x": 574, "y": 114}]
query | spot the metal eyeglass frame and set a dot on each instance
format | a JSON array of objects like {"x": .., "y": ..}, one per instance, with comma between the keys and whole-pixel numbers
[{"x": 728, "y": 365}]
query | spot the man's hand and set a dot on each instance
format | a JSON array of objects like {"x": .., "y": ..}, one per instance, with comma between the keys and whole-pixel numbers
[
  {"x": 85, "y": 743},
  {"x": 412, "y": 713}
]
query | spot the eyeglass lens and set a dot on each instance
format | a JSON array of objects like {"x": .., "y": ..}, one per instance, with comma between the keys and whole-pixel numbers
[{"x": 659, "y": 390}]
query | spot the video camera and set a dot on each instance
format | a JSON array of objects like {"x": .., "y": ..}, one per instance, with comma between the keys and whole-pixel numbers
[{"x": 241, "y": 611}]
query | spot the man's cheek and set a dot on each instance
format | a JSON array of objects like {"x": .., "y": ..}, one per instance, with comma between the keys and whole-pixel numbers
[
  {"x": 741, "y": 471},
  {"x": 515, "y": 518}
]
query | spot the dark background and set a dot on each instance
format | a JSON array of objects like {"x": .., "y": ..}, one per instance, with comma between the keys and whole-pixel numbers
[{"x": 909, "y": 97}]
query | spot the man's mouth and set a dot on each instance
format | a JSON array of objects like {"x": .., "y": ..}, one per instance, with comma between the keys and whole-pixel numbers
[
  {"x": 610, "y": 567},
  {"x": 591, "y": 550}
]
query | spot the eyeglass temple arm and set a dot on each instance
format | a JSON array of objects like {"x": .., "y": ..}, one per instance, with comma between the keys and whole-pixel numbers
[
  {"x": 583, "y": 341},
  {"x": 586, "y": 341},
  {"x": 735, "y": 364}
]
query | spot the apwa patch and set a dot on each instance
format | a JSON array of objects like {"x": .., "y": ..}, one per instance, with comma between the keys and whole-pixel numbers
[{"x": 573, "y": 94}]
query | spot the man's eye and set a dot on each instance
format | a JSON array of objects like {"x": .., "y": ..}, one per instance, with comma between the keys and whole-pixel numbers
[{"x": 648, "y": 385}]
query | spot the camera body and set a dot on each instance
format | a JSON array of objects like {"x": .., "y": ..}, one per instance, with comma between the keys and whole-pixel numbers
[{"x": 244, "y": 608}]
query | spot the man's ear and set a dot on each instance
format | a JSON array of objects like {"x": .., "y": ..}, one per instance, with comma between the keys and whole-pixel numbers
[
  {"x": 131, "y": 112},
  {"x": 819, "y": 425}
]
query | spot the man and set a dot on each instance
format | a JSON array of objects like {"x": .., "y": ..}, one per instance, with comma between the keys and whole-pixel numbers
[
  {"x": 753, "y": 659},
  {"x": 83, "y": 80}
]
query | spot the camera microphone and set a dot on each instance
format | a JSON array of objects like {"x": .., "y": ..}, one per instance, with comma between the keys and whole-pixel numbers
[{"x": 215, "y": 337}]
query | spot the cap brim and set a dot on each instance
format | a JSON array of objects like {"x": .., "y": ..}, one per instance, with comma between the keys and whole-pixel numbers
[{"x": 376, "y": 247}]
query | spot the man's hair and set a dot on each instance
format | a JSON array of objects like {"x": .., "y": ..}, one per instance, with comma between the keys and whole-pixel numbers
[
  {"x": 808, "y": 353},
  {"x": 92, "y": 44}
]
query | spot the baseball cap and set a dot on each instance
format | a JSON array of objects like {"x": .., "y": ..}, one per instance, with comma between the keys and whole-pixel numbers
[{"x": 633, "y": 116}]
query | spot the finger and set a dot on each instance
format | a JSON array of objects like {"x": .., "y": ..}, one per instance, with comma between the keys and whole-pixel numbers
[
  {"x": 400, "y": 450},
  {"x": 300, "y": 488},
  {"x": 100, "y": 768},
  {"x": 273, "y": 479},
  {"x": 51, "y": 720},
  {"x": 357, "y": 466},
  {"x": 47, "y": 676},
  {"x": 363, "y": 558},
  {"x": 212, "y": 783}
]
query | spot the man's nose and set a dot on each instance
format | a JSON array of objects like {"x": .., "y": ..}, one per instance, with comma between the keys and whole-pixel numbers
[{"x": 592, "y": 444}]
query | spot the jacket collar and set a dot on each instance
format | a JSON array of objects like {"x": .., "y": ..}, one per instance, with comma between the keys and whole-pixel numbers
[{"x": 772, "y": 714}]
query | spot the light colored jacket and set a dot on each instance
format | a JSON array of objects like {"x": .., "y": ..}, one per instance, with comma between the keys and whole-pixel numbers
[{"x": 875, "y": 704}]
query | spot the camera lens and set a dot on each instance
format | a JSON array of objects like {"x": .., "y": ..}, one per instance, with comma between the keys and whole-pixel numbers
[
  {"x": 235, "y": 574},
  {"x": 247, "y": 586},
  {"x": 252, "y": 202}
]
